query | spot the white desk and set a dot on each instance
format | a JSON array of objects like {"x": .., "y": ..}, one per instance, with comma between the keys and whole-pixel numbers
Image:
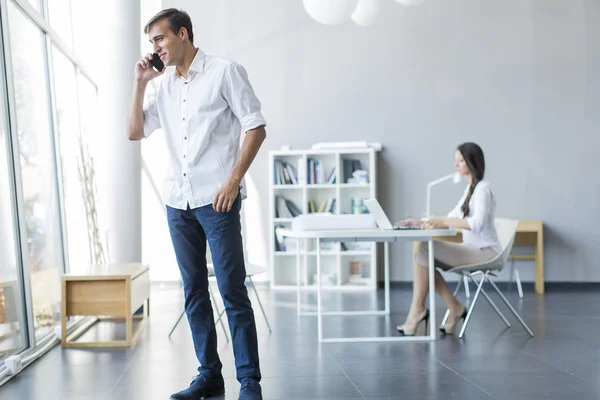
[{"x": 369, "y": 235}]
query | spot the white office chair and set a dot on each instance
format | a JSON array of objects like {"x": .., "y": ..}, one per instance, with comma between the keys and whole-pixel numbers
[
  {"x": 211, "y": 273},
  {"x": 507, "y": 230},
  {"x": 514, "y": 273},
  {"x": 251, "y": 270}
]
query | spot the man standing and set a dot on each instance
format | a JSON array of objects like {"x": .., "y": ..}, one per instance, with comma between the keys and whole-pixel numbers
[{"x": 202, "y": 106}]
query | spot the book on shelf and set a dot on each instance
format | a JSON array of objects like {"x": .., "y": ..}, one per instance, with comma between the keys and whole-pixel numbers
[
  {"x": 327, "y": 206},
  {"x": 315, "y": 172},
  {"x": 354, "y": 172},
  {"x": 360, "y": 269},
  {"x": 285, "y": 173},
  {"x": 332, "y": 176},
  {"x": 285, "y": 208},
  {"x": 287, "y": 244},
  {"x": 357, "y": 206}
]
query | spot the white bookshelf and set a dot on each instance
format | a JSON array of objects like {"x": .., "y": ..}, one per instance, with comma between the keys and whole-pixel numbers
[{"x": 337, "y": 262}]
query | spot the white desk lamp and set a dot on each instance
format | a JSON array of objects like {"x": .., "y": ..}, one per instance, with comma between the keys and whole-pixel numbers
[{"x": 455, "y": 178}]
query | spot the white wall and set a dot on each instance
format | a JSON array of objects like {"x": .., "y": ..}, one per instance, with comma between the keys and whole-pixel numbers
[{"x": 520, "y": 77}]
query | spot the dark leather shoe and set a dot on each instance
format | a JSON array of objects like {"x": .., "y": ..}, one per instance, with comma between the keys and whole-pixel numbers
[
  {"x": 202, "y": 387},
  {"x": 250, "y": 390}
]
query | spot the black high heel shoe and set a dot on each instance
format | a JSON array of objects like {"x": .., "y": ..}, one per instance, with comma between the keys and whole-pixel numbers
[{"x": 448, "y": 327}]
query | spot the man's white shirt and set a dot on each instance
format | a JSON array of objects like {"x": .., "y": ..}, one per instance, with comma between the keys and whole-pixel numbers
[{"x": 202, "y": 117}]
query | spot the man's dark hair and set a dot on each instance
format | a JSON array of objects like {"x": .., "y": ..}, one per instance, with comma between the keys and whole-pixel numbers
[{"x": 177, "y": 19}]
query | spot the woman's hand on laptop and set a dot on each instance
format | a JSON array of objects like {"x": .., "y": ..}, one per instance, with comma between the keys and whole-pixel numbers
[
  {"x": 435, "y": 223},
  {"x": 411, "y": 222}
]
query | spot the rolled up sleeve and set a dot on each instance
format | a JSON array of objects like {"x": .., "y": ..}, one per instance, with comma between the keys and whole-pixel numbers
[
  {"x": 455, "y": 213},
  {"x": 241, "y": 98},
  {"x": 482, "y": 201},
  {"x": 151, "y": 118}
]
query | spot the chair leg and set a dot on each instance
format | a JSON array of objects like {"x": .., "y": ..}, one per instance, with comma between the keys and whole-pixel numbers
[
  {"x": 219, "y": 319},
  {"x": 259, "y": 303},
  {"x": 511, "y": 273},
  {"x": 511, "y": 308},
  {"x": 518, "y": 280},
  {"x": 467, "y": 291},
  {"x": 470, "y": 312},
  {"x": 491, "y": 302},
  {"x": 220, "y": 313},
  {"x": 460, "y": 281},
  {"x": 176, "y": 323}
]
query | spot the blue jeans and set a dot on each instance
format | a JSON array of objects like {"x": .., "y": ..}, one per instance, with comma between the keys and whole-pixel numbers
[{"x": 190, "y": 230}]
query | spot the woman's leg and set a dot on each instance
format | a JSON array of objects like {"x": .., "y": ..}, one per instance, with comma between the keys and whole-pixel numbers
[
  {"x": 421, "y": 288},
  {"x": 447, "y": 255}
]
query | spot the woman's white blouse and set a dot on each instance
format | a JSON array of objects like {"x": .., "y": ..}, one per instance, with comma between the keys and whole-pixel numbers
[{"x": 482, "y": 213}]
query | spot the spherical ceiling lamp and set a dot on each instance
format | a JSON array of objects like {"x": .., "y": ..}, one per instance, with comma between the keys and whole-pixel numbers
[
  {"x": 411, "y": 2},
  {"x": 366, "y": 12},
  {"x": 330, "y": 12}
]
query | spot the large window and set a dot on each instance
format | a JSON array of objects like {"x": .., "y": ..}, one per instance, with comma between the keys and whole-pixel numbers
[
  {"x": 72, "y": 148},
  {"x": 13, "y": 331},
  {"x": 37, "y": 166},
  {"x": 37, "y": 4},
  {"x": 47, "y": 106},
  {"x": 59, "y": 15}
]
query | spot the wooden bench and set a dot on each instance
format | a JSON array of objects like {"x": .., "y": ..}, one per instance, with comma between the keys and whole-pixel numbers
[{"x": 108, "y": 292}]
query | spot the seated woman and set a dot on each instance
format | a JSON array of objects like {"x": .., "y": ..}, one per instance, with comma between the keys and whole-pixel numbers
[{"x": 474, "y": 215}]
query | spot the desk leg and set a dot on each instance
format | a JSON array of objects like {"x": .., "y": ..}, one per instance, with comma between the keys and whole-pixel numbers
[
  {"x": 298, "y": 305},
  {"x": 319, "y": 311},
  {"x": 431, "y": 291},
  {"x": 539, "y": 262},
  {"x": 386, "y": 277}
]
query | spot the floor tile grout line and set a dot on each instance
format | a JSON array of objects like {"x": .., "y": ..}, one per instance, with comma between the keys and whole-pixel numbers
[
  {"x": 459, "y": 375},
  {"x": 135, "y": 351},
  {"x": 555, "y": 367},
  {"x": 345, "y": 374},
  {"x": 121, "y": 377},
  {"x": 467, "y": 380}
]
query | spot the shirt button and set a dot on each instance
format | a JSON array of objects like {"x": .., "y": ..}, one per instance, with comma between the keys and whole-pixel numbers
[
  {"x": 184, "y": 100},
  {"x": 184, "y": 174},
  {"x": 184, "y": 156},
  {"x": 185, "y": 138},
  {"x": 184, "y": 118}
]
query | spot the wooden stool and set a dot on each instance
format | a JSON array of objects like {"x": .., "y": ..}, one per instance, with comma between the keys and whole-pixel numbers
[{"x": 115, "y": 290}]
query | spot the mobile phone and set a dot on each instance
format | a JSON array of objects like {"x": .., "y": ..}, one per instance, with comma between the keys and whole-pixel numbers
[{"x": 157, "y": 62}]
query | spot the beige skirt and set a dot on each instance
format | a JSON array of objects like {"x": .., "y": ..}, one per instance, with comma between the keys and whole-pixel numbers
[{"x": 450, "y": 254}]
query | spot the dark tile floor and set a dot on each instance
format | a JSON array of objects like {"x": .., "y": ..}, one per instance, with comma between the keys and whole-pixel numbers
[{"x": 490, "y": 362}]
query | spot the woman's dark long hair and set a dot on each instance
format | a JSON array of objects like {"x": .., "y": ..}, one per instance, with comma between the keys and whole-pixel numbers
[{"x": 473, "y": 156}]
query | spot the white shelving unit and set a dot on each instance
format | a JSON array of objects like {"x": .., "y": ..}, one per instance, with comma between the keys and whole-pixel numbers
[{"x": 347, "y": 266}]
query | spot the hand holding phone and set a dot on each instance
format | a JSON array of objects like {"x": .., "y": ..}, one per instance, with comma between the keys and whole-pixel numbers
[
  {"x": 149, "y": 67},
  {"x": 157, "y": 62}
]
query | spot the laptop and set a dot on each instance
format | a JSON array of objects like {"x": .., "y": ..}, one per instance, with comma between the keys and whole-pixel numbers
[{"x": 383, "y": 222}]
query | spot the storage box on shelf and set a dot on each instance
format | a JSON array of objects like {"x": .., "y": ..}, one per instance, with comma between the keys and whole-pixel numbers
[{"x": 311, "y": 180}]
